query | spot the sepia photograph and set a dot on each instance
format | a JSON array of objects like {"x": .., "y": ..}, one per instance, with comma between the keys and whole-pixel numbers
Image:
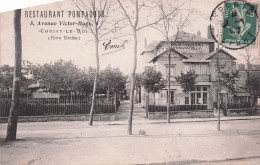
[{"x": 120, "y": 82}]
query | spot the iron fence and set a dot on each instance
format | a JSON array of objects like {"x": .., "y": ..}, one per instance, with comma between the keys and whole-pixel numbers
[
  {"x": 163, "y": 108},
  {"x": 40, "y": 107}
]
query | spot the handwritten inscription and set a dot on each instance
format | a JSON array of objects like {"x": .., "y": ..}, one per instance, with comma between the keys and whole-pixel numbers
[{"x": 110, "y": 47}]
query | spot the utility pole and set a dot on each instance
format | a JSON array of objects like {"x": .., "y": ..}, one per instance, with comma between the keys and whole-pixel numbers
[
  {"x": 218, "y": 95},
  {"x": 15, "y": 104}
]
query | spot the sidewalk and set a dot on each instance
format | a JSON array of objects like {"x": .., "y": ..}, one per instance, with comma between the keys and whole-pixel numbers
[
  {"x": 123, "y": 111},
  {"x": 139, "y": 117},
  {"x": 184, "y": 141},
  {"x": 77, "y": 143}
]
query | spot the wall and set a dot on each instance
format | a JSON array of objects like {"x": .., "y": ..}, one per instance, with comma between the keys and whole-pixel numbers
[
  {"x": 79, "y": 117},
  {"x": 176, "y": 65},
  {"x": 182, "y": 115}
]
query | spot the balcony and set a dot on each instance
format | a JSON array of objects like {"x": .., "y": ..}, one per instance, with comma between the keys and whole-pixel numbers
[
  {"x": 203, "y": 78},
  {"x": 200, "y": 78}
]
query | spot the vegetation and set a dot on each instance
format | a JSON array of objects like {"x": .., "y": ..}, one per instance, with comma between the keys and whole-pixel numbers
[
  {"x": 65, "y": 78},
  {"x": 229, "y": 80},
  {"x": 187, "y": 80},
  {"x": 101, "y": 26},
  {"x": 153, "y": 82},
  {"x": 113, "y": 80},
  {"x": 253, "y": 85},
  {"x": 175, "y": 17},
  {"x": 6, "y": 78}
]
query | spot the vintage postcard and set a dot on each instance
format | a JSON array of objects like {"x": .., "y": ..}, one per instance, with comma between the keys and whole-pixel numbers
[{"x": 130, "y": 82}]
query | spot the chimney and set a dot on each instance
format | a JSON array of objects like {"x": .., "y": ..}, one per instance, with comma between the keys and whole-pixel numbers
[
  {"x": 199, "y": 33},
  {"x": 209, "y": 32}
]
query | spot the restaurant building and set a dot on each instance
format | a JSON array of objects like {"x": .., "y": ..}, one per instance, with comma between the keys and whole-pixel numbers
[{"x": 188, "y": 52}]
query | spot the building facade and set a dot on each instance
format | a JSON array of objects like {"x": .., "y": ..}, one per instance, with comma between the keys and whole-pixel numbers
[
  {"x": 242, "y": 95},
  {"x": 188, "y": 52}
]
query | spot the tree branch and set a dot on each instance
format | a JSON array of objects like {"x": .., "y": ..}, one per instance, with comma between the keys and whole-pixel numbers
[{"x": 125, "y": 13}]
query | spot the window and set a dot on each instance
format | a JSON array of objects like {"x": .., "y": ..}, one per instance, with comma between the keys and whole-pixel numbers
[
  {"x": 171, "y": 97},
  {"x": 205, "y": 98},
  {"x": 187, "y": 100},
  {"x": 173, "y": 72},
  {"x": 198, "y": 98},
  {"x": 198, "y": 68},
  {"x": 192, "y": 98},
  {"x": 199, "y": 95}
]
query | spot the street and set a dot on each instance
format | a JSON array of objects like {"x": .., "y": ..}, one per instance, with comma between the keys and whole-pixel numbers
[{"x": 238, "y": 142}]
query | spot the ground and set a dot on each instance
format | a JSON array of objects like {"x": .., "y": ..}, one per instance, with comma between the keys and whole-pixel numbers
[{"x": 186, "y": 142}]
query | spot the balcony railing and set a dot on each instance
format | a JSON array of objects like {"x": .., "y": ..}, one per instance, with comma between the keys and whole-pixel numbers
[
  {"x": 200, "y": 78},
  {"x": 203, "y": 78}
]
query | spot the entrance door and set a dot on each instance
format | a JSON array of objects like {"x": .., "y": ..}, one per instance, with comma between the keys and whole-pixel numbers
[
  {"x": 199, "y": 95},
  {"x": 171, "y": 97}
]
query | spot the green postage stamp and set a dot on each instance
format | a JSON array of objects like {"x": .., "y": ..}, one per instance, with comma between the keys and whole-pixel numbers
[{"x": 239, "y": 23}]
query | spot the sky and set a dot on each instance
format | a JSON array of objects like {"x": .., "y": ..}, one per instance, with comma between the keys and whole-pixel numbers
[{"x": 38, "y": 49}]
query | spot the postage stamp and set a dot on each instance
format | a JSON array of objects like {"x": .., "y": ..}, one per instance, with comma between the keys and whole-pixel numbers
[
  {"x": 240, "y": 23},
  {"x": 234, "y": 24}
]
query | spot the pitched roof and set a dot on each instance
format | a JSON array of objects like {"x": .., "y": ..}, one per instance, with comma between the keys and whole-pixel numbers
[
  {"x": 195, "y": 56},
  {"x": 155, "y": 58},
  {"x": 196, "y": 61},
  {"x": 181, "y": 37},
  {"x": 214, "y": 52},
  {"x": 185, "y": 36}
]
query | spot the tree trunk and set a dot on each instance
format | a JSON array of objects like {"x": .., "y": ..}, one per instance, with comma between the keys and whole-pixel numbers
[
  {"x": 218, "y": 109},
  {"x": 147, "y": 105},
  {"x": 154, "y": 102},
  {"x": 107, "y": 94},
  {"x": 115, "y": 101},
  {"x": 136, "y": 95},
  {"x": 248, "y": 86},
  {"x": 15, "y": 104},
  {"x": 7, "y": 94},
  {"x": 95, "y": 81},
  {"x": 130, "y": 116},
  {"x": 139, "y": 95},
  {"x": 71, "y": 99},
  {"x": 169, "y": 86},
  {"x": 218, "y": 95},
  {"x": 228, "y": 101}
]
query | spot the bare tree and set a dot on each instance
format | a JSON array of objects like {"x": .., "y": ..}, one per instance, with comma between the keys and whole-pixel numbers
[
  {"x": 249, "y": 58},
  {"x": 132, "y": 17},
  {"x": 15, "y": 104},
  {"x": 101, "y": 25},
  {"x": 172, "y": 23}
]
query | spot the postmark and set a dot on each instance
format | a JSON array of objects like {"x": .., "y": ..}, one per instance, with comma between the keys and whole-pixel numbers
[{"x": 234, "y": 24}]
